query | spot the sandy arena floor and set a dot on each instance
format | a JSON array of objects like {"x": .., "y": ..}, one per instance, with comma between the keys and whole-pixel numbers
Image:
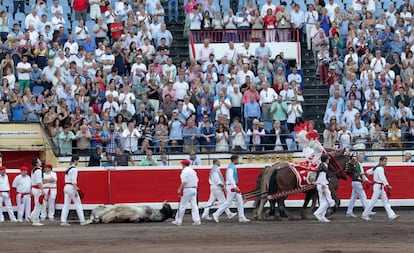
[{"x": 342, "y": 234}]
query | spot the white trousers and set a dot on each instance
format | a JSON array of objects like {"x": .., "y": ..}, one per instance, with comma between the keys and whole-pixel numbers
[
  {"x": 357, "y": 192},
  {"x": 309, "y": 28},
  {"x": 230, "y": 196},
  {"x": 379, "y": 193},
  {"x": 49, "y": 203},
  {"x": 216, "y": 192},
  {"x": 189, "y": 196},
  {"x": 23, "y": 206},
  {"x": 5, "y": 196},
  {"x": 37, "y": 206},
  {"x": 70, "y": 196},
  {"x": 325, "y": 200}
]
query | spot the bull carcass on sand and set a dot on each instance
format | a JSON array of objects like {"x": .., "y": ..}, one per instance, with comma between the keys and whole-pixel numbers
[{"x": 130, "y": 213}]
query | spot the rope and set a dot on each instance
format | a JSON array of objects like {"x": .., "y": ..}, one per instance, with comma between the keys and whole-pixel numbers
[{"x": 291, "y": 192}]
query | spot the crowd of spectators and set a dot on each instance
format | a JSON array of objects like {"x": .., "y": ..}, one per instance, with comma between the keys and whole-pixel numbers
[
  {"x": 113, "y": 84},
  {"x": 367, "y": 64}
]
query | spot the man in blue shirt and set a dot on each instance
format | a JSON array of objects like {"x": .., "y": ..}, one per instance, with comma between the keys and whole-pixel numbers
[
  {"x": 33, "y": 110},
  {"x": 89, "y": 45},
  {"x": 35, "y": 76},
  {"x": 251, "y": 111}
]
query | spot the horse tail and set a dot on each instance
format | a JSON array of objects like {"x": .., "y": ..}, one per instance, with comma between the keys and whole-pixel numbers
[
  {"x": 259, "y": 179},
  {"x": 273, "y": 187}
]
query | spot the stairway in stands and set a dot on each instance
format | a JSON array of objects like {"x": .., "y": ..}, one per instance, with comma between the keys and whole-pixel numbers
[
  {"x": 180, "y": 46},
  {"x": 316, "y": 95}
]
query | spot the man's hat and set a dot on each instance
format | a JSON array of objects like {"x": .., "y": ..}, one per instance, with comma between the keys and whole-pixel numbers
[
  {"x": 185, "y": 162},
  {"x": 324, "y": 158},
  {"x": 48, "y": 165},
  {"x": 24, "y": 168}
]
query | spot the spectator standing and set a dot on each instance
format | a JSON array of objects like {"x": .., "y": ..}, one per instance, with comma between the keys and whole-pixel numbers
[
  {"x": 80, "y": 7},
  {"x": 65, "y": 141}
]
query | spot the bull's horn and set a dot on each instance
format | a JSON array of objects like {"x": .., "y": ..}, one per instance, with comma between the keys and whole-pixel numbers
[{"x": 165, "y": 202}]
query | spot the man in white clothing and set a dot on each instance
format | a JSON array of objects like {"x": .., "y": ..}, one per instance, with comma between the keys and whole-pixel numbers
[
  {"x": 130, "y": 137},
  {"x": 71, "y": 192},
  {"x": 37, "y": 191},
  {"x": 380, "y": 184},
  {"x": 233, "y": 192},
  {"x": 325, "y": 198},
  {"x": 22, "y": 185},
  {"x": 358, "y": 178},
  {"x": 188, "y": 194},
  {"x": 216, "y": 191},
  {"x": 5, "y": 195},
  {"x": 50, "y": 191}
]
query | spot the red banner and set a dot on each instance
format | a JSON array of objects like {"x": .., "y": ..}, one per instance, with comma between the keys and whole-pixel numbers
[{"x": 154, "y": 185}]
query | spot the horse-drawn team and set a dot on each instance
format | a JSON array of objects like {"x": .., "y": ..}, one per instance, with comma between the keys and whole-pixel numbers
[{"x": 274, "y": 184}]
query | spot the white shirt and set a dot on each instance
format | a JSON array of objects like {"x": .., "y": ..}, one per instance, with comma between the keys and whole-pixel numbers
[
  {"x": 295, "y": 77},
  {"x": 297, "y": 18},
  {"x": 311, "y": 17},
  {"x": 331, "y": 9},
  {"x": 50, "y": 175},
  {"x": 223, "y": 108},
  {"x": 378, "y": 65},
  {"x": 126, "y": 98},
  {"x": 72, "y": 176},
  {"x": 322, "y": 180},
  {"x": 30, "y": 19},
  {"x": 107, "y": 58},
  {"x": 73, "y": 46},
  {"x": 36, "y": 177},
  {"x": 215, "y": 179},
  {"x": 265, "y": 7},
  {"x": 181, "y": 89},
  {"x": 26, "y": 66},
  {"x": 131, "y": 139},
  {"x": 267, "y": 96},
  {"x": 113, "y": 108},
  {"x": 189, "y": 177},
  {"x": 189, "y": 107},
  {"x": 379, "y": 175},
  {"x": 4, "y": 183},
  {"x": 22, "y": 184}
]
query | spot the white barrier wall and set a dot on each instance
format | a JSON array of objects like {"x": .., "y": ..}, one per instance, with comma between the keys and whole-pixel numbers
[{"x": 291, "y": 50}]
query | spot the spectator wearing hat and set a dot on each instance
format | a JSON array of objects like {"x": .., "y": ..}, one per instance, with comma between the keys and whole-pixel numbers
[
  {"x": 5, "y": 195},
  {"x": 187, "y": 192},
  {"x": 22, "y": 185},
  {"x": 322, "y": 181}
]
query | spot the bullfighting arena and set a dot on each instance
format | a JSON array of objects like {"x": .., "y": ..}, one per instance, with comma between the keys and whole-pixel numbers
[{"x": 342, "y": 234}]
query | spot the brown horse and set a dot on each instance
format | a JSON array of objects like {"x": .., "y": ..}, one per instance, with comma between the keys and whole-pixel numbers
[{"x": 285, "y": 180}]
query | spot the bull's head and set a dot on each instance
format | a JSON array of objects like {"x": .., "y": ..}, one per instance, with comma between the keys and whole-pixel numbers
[{"x": 166, "y": 210}]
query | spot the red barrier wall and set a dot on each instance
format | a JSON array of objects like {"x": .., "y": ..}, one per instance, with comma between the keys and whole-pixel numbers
[{"x": 155, "y": 185}]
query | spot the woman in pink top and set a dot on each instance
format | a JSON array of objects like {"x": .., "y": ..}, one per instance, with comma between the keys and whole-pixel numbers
[{"x": 189, "y": 7}]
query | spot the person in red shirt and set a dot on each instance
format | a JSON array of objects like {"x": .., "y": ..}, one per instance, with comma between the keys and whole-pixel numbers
[
  {"x": 81, "y": 8},
  {"x": 270, "y": 25},
  {"x": 116, "y": 29}
]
